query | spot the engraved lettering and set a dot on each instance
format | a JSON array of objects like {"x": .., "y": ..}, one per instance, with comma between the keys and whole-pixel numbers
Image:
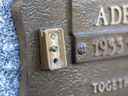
[
  {"x": 95, "y": 87},
  {"x": 104, "y": 46},
  {"x": 125, "y": 82},
  {"x": 116, "y": 15},
  {"x": 96, "y": 47},
  {"x": 114, "y": 84},
  {"x": 109, "y": 46},
  {"x": 101, "y": 87},
  {"x": 109, "y": 86},
  {"x": 120, "y": 43},
  {"x": 112, "y": 45},
  {"x": 102, "y": 19},
  {"x": 125, "y": 13},
  {"x": 120, "y": 80}
]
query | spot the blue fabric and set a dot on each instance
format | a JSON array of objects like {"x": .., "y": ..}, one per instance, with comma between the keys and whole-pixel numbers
[{"x": 9, "y": 52}]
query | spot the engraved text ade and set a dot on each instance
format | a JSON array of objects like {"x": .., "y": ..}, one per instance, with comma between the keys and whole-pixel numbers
[{"x": 117, "y": 15}]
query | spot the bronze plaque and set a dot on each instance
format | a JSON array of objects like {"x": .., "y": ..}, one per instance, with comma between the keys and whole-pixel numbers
[
  {"x": 101, "y": 45},
  {"x": 95, "y": 34},
  {"x": 98, "y": 26}
]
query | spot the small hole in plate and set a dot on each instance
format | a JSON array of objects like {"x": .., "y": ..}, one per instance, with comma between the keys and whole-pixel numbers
[{"x": 55, "y": 60}]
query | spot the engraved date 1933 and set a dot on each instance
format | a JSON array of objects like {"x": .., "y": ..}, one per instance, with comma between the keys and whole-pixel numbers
[{"x": 109, "y": 47}]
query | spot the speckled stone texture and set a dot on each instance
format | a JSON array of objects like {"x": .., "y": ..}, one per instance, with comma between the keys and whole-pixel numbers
[{"x": 9, "y": 52}]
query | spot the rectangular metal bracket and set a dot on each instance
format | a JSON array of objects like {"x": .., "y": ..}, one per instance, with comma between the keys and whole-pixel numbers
[{"x": 53, "y": 55}]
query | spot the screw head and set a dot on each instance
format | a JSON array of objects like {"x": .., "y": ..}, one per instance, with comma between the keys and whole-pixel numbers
[
  {"x": 53, "y": 36},
  {"x": 53, "y": 49},
  {"x": 82, "y": 48}
]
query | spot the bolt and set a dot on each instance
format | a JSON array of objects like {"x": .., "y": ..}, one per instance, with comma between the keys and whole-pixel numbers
[
  {"x": 53, "y": 49},
  {"x": 82, "y": 48},
  {"x": 53, "y": 36}
]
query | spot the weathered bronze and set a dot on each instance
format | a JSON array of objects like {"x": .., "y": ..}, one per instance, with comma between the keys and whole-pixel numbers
[
  {"x": 100, "y": 45},
  {"x": 52, "y": 49},
  {"x": 118, "y": 15},
  {"x": 95, "y": 34}
]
